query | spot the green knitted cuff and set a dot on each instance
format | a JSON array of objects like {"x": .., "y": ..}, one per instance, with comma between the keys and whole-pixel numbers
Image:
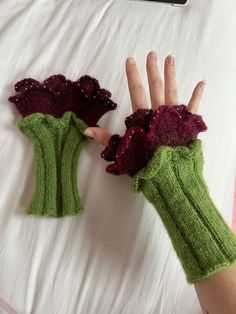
[
  {"x": 57, "y": 143},
  {"x": 173, "y": 182}
]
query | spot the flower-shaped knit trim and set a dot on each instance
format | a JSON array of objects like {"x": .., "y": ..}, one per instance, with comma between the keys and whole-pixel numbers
[
  {"x": 168, "y": 155},
  {"x": 146, "y": 131},
  {"x": 68, "y": 118},
  {"x": 57, "y": 95}
]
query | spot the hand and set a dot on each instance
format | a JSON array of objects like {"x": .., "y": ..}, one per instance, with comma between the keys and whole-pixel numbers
[{"x": 160, "y": 93}]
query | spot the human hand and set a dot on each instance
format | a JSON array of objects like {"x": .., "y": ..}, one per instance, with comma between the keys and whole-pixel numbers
[
  {"x": 202, "y": 240},
  {"x": 160, "y": 92}
]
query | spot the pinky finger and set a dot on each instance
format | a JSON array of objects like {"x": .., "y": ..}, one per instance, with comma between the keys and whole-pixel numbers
[
  {"x": 98, "y": 134},
  {"x": 196, "y": 97}
]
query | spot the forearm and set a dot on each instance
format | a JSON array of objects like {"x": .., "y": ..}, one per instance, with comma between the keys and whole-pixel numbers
[
  {"x": 204, "y": 243},
  {"x": 172, "y": 180},
  {"x": 217, "y": 294}
]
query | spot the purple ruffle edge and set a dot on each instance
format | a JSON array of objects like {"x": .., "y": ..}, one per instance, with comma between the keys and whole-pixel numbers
[
  {"x": 146, "y": 129},
  {"x": 56, "y": 95}
]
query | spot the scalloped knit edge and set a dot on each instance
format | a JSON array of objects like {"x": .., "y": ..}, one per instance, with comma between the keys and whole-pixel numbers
[
  {"x": 159, "y": 158},
  {"x": 216, "y": 268},
  {"x": 61, "y": 122}
]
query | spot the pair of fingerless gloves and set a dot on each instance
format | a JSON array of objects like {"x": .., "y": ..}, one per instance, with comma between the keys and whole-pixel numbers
[{"x": 159, "y": 150}]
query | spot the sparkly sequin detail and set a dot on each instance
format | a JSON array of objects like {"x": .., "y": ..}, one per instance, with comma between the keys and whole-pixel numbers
[
  {"x": 147, "y": 130},
  {"x": 57, "y": 95}
]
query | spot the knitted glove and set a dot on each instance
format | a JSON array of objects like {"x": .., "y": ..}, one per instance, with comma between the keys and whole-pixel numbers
[
  {"x": 172, "y": 180},
  {"x": 56, "y": 113}
]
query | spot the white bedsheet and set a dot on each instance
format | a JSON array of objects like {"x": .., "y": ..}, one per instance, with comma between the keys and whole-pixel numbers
[{"x": 116, "y": 257}]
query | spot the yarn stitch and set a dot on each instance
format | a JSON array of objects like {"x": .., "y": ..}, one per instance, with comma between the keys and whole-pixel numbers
[
  {"x": 56, "y": 113},
  {"x": 57, "y": 143},
  {"x": 172, "y": 180},
  {"x": 57, "y": 95},
  {"x": 146, "y": 130}
]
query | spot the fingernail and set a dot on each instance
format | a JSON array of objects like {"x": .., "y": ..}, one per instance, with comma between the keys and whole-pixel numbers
[
  {"x": 153, "y": 55},
  {"x": 88, "y": 133},
  {"x": 203, "y": 83},
  {"x": 131, "y": 60},
  {"x": 170, "y": 59}
]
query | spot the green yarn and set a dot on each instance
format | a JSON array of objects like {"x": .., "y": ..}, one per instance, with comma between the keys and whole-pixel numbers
[
  {"x": 173, "y": 182},
  {"x": 57, "y": 143}
]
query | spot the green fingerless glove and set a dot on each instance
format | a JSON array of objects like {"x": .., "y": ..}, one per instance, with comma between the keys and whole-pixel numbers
[
  {"x": 173, "y": 182},
  {"x": 55, "y": 114},
  {"x": 160, "y": 151},
  {"x": 57, "y": 144}
]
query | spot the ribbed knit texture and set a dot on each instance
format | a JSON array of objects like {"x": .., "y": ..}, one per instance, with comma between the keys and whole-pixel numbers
[
  {"x": 173, "y": 182},
  {"x": 57, "y": 143}
]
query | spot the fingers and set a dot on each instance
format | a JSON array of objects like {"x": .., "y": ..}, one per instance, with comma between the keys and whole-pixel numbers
[
  {"x": 156, "y": 87},
  {"x": 136, "y": 88},
  {"x": 171, "y": 94},
  {"x": 100, "y": 135},
  {"x": 196, "y": 97}
]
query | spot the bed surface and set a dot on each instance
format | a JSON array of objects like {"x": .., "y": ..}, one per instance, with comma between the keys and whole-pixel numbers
[{"x": 116, "y": 257}]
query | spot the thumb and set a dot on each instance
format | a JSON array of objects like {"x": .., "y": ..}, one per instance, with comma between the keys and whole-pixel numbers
[{"x": 98, "y": 134}]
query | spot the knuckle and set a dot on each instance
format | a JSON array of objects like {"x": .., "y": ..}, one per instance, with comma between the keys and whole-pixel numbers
[
  {"x": 131, "y": 65},
  {"x": 197, "y": 93},
  {"x": 200, "y": 90},
  {"x": 156, "y": 82},
  {"x": 104, "y": 139},
  {"x": 170, "y": 69},
  {"x": 171, "y": 91},
  {"x": 137, "y": 88}
]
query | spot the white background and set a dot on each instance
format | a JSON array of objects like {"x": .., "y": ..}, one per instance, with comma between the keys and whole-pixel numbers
[{"x": 116, "y": 257}]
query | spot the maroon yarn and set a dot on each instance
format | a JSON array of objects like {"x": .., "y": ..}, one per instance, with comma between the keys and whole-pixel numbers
[
  {"x": 109, "y": 152},
  {"x": 146, "y": 130},
  {"x": 56, "y": 95}
]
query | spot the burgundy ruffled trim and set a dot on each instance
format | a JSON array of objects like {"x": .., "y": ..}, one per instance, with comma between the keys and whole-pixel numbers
[
  {"x": 146, "y": 130},
  {"x": 56, "y": 95}
]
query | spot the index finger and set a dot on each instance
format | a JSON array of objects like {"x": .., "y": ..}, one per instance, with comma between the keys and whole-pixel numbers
[
  {"x": 98, "y": 134},
  {"x": 136, "y": 88}
]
